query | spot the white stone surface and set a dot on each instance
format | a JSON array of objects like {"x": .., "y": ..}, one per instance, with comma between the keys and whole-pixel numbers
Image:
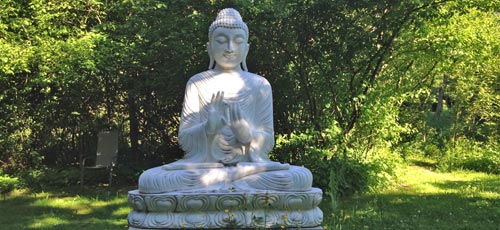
[
  {"x": 227, "y": 132},
  {"x": 223, "y": 209},
  {"x": 245, "y": 175}
]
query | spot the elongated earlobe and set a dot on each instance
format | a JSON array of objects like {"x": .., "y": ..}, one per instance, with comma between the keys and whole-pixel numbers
[
  {"x": 244, "y": 62},
  {"x": 244, "y": 65},
  {"x": 212, "y": 61}
]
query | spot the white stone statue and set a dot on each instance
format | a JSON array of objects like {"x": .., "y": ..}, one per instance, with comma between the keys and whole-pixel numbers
[
  {"x": 226, "y": 178},
  {"x": 226, "y": 125}
]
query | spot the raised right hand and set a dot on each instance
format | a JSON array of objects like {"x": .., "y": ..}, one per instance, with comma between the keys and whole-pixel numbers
[{"x": 216, "y": 113}]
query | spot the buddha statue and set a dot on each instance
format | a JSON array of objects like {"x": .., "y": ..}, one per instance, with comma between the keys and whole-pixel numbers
[{"x": 226, "y": 127}]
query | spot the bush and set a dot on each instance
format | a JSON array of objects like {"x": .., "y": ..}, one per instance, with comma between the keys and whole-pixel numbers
[
  {"x": 377, "y": 171},
  {"x": 483, "y": 164},
  {"x": 471, "y": 155},
  {"x": 58, "y": 177},
  {"x": 384, "y": 166},
  {"x": 8, "y": 184},
  {"x": 38, "y": 179},
  {"x": 347, "y": 177},
  {"x": 338, "y": 175},
  {"x": 302, "y": 149}
]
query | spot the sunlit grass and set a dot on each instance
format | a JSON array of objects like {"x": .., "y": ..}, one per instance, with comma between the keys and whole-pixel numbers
[
  {"x": 122, "y": 211},
  {"x": 463, "y": 183},
  {"x": 425, "y": 199},
  {"x": 48, "y": 222},
  {"x": 97, "y": 209}
]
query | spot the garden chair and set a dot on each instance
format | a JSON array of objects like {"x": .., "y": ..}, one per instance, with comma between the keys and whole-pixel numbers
[{"x": 106, "y": 155}]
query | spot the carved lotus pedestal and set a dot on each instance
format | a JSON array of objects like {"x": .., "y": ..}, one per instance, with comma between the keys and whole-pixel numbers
[{"x": 226, "y": 209}]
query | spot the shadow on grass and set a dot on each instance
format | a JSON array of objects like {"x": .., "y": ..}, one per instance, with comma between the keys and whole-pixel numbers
[
  {"x": 424, "y": 164},
  {"x": 460, "y": 205},
  {"x": 95, "y": 209},
  {"x": 484, "y": 187}
]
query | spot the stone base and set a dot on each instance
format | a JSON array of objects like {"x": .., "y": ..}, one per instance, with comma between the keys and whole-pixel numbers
[
  {"x": 226, "y": 210},
  {"x": 313, "y": 228}
]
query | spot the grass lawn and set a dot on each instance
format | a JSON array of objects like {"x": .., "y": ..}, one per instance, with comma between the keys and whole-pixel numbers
[
  {"x": 426, "y": 199},
  {"x": 98, "y": 208}
]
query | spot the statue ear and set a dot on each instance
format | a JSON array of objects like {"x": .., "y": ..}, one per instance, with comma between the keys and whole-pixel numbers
[
  {"x": 244, "y": 62},
  {"x": 212, "y": 61}
]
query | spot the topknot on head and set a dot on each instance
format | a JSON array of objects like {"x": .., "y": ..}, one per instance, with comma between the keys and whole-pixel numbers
[{"x": 228, "y": 18}]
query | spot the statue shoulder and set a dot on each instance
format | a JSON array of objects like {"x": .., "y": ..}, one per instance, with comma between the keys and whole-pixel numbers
[
  {"x": 263, "y": 82},
  {"x": 200, "y": 77}
]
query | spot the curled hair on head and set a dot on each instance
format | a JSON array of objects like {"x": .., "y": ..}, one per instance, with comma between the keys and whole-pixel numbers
[{"x": 228, "y": 18}]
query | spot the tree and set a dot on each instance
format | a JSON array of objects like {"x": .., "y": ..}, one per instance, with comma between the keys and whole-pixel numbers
[{"x": 450, "y": 64}]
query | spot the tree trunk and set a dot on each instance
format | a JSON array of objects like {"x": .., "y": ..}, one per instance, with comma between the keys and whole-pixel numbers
[
  {"x": 134, "y": 126},
  {"x": 439, "y": 107}
]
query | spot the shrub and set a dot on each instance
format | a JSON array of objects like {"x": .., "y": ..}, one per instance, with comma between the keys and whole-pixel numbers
[
  {"x": 384, "y": 167},
  {"x": 8, "y": 184},
  {"x": 58, "y": 177},
  {"x": 337, "y": 174},
  {"x": 347, "y": 177},
  {"x": 471, "y": 155},
  {"x": 30, "y": 179},
  {"x": 303, "y": 149},
  {"x": 483, "y": 164},
  {"x": 38, "y": 179}
]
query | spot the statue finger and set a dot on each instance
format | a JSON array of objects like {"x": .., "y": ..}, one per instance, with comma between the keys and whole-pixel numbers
[
  {"x": 213, "y": 98},
  {"x": 238, "y": 112},
  {"x": 220, "y": 96},
  {"x": 222, "y": 103},
  {"x": 234, "y": 115},
  {"x": 219, "y": 100},
  {"x": 227, "y": 149},
  {"x": 216, "y": 97},
  {"x": 223, "y": 141},
  {"x": 223, "y": 121}
]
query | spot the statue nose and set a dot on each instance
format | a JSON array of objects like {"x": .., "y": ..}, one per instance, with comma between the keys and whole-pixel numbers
[{"x": 230, "y": 47}]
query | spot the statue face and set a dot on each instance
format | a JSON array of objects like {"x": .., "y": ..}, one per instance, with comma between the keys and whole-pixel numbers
[{"x": 229, "y": 47}]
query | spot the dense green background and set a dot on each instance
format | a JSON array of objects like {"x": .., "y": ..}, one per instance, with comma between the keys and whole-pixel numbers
[{"x": 358, "y": 86}]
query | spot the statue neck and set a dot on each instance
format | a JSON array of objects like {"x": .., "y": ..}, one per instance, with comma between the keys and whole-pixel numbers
[{"x": 221, "y": 69}]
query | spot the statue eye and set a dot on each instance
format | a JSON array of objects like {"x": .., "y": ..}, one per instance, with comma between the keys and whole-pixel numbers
[
  {"x": 239, "y": 40},
  {"x": 220, "y": 39}
]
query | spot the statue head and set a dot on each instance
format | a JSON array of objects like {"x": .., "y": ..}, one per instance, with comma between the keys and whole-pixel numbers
[{"x": 228, "y": 41}]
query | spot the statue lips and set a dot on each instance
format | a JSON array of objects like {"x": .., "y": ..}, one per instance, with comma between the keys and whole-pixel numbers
[{"x": 229, "y": 56}]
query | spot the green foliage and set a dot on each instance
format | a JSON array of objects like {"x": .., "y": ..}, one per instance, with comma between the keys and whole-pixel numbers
[
  {"x": 54, "y": 177},
  {"x": 7, "y": 184},
  {"x": 45, "y": 178},
  {"x": 471, "y": 155},
  {"x": 32, "y": 179},
  {"x": 377, "y": 172},
  {"x": 452, "y": 64},
  {"x": 302, "y": 149},
  {"x": 347, "y": 177},
  {"x": 354, "y": 82}
]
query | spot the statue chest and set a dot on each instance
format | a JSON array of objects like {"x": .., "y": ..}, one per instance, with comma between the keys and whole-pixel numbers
[{"x": 236, "y": 90}]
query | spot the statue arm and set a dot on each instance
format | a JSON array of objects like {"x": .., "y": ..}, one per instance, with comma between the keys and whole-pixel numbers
[
  {"x": 263, "y": 133},
  {"x": 192, "y": 138}
]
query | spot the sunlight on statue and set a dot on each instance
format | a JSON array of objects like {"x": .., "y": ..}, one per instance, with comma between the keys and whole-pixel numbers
[{"x": 226, "y": 127}]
